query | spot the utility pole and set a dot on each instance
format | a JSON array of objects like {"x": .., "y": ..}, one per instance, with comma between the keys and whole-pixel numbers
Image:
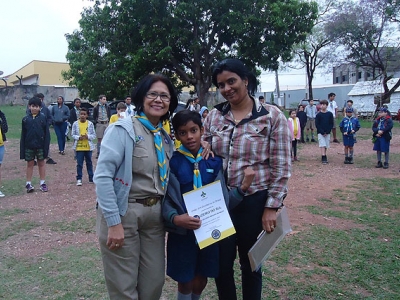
[{"x": 278, "y": 92}]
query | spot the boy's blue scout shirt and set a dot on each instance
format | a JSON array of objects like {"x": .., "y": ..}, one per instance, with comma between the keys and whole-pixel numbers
[{"x": 182, "y": 168}]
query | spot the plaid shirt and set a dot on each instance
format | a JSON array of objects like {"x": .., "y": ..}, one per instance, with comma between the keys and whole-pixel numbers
[{"x": 261, "y": 141}]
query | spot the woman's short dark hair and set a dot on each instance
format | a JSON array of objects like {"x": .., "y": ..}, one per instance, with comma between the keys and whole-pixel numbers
[
  {"x": 139, "y": 93},
  {"x": 182, "y": 117},
  {"x": 77, "y": 99},
  {"x": 235, "y": 66}
]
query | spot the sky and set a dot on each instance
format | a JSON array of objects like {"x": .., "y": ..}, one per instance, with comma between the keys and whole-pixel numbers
[{"x": 35, "y": 30}]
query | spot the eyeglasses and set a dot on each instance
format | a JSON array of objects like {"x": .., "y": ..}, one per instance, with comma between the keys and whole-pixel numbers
[{"x": 154, "y": 95}]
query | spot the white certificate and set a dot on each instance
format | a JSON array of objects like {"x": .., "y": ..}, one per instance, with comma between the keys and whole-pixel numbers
[{"x": 208, "y": 204}]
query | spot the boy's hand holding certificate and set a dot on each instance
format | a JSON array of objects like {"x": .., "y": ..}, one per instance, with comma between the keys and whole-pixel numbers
[{"x": 208, "y": 204}]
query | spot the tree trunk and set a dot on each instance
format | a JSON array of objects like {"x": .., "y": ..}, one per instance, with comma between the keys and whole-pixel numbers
[{"x": 202, "y": 91}]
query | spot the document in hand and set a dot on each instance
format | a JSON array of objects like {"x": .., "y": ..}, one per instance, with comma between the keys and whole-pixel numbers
[
  {"x": 267, "y": 242},
  {"x": 208, "y": 204}
]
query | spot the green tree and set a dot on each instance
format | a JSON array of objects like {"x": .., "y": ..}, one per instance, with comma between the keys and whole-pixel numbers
[
  {"x": 119, "y": 41},
  {"x": 314, "y": 51},
  {"x": 367, "y": 33}
]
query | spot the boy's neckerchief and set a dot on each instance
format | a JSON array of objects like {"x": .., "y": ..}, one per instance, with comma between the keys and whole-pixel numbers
[
  {"x": 197, "y": 183},
  {"x": 349, "y": 125},
  {"x": 162, "y": 164}
]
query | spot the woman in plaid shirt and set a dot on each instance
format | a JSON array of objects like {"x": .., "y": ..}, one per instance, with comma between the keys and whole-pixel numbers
[{"x": 247, "y": 133}]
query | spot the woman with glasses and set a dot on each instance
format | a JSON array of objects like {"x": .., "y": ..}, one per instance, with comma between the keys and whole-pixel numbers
[
  {"x": 246, "y": 134},
  {"x": 131, "y": 179}
]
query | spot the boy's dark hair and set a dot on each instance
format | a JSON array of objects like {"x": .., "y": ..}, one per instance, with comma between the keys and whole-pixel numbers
[
  {"x": 84, "y": 109},
  {"x": 39, "y": 95},
  {"x": 76, "y": 99},
  {"x": 101, "y": 96},
  {"x": 310, "y": 100},
  {"x": 324, "y": 102},
  {"x": 35, "y": 101},
  {"x": 331, "y": 94},
  {"x": 184, "y": 116},
  {"x": 121, "y": 105},
  {"x": 351, "y": 101}
]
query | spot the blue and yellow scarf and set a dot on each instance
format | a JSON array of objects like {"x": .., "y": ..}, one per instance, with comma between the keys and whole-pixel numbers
[
  {"x": 197, "y": 183},
  {"x": 162, "y": 163}
]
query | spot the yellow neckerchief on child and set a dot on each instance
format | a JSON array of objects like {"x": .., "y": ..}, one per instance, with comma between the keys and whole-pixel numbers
[
  {"x": 197, "y": 183},
  {"x": 1, "y": 138},
  {"x": 83, "y": 145}
]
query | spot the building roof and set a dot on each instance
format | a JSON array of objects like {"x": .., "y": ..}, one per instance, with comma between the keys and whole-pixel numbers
[{"x": 371, "y": 87}]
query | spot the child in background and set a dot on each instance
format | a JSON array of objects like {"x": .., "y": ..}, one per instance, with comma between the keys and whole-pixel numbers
[
  {"x": 301, "y": 114},
  {"x": 324, "y": 124},
  {"x": 186, "y": 263},
  {"x": 203, "y": 113},
  {"x": 295, "y": 130},
  {"x": 3, "y": 131},
  {"x": 349, "y": 126},
  {"x": 382, "y": 129},
  {"x": 83, "y": 134},
  {"x": 121, "y": 109},
  {"x": 35, "y": 141},
  {"x": 311, "y": 112}
]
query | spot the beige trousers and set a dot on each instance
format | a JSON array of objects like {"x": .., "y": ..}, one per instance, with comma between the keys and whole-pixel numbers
[{"x": 136, "y": 270}]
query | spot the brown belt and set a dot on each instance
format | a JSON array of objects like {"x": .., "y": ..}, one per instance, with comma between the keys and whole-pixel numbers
[
  {"x": 103, "y": 122},
  {"x": 149, "y": 201}
]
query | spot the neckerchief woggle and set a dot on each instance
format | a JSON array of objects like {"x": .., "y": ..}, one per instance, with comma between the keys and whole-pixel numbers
[
  {"x": 197, "y": 183},
  {"x": 162, "y": 164}
]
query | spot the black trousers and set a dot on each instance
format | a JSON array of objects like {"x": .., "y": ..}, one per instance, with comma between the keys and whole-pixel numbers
[
  {"x": 246, "y": 218},
  {"x": 294, "y": 148}
]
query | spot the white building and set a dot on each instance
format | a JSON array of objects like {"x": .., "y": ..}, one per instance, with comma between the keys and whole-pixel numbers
[{"x": 363, "y": 94}]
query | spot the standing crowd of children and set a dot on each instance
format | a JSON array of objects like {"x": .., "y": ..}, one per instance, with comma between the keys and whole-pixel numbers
[
  {"x": 35, "y": 135},
  {"x": 323, "y": 121}
]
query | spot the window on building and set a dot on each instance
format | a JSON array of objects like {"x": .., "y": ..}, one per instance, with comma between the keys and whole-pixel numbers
[
  {"x": 343, "y": 78},
  {"x": 337, "y": 79},
  {"x": 359, "y": 75}
]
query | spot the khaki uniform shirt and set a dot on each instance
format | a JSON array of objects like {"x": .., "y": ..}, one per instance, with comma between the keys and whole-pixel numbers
[{"x": 146, "y": 176}]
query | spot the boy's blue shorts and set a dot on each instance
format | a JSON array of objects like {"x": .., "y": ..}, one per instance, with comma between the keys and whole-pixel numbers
[
  {"x": 381, "y": 144},
  {"x": 185, "y": 259},
  {"x": 348, "y": 140}
]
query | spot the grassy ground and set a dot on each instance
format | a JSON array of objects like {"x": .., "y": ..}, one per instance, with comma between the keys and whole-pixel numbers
[{"x": 360, "y": 260}]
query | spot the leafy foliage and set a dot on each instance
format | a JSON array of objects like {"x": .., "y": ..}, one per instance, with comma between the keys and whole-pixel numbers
[
  {"x": 122, "y": 40},
  {"x": 367, "y": 32}
]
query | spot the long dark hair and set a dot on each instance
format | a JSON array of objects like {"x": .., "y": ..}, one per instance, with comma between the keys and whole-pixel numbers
[
  {"x": 235, "y": 66},
  {"x": 139, "y": 93}
]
